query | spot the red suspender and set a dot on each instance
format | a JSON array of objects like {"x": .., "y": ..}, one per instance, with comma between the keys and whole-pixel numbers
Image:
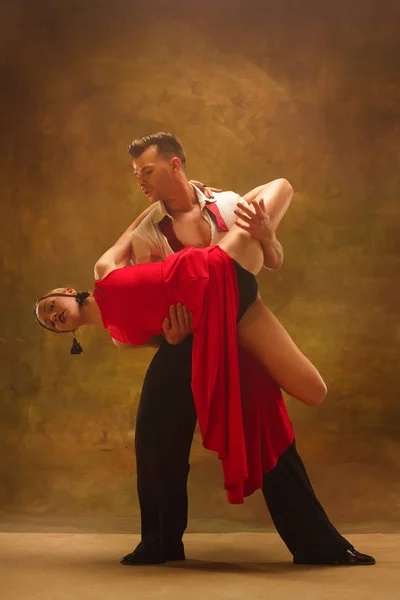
[{"x": 213, "y": 208}]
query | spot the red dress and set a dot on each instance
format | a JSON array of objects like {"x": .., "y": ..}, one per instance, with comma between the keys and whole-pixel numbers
[{"x": 135, "y": 300}]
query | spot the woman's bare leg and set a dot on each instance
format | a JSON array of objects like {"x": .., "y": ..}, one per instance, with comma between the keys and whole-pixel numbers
[
  {"x": 243, "y": 248},
  {"x": 260, "y": 332}
]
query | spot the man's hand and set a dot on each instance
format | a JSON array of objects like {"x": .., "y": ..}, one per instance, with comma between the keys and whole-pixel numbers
[
  {"x": 178, "y": 325},
  {"x": 256, "y": 221},
  {"x": 207, "y": 191}
]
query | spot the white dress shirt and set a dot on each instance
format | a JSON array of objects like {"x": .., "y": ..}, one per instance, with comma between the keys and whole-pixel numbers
[{"x": 150, "y": 244}]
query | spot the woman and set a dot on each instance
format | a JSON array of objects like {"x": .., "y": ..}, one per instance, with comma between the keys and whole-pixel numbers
[
  {"x": 217, "y": 285},
  {"x": 258, "y": 331}
]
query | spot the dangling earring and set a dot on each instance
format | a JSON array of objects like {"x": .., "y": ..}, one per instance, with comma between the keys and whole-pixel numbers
[{"x": 76, "y": 348}]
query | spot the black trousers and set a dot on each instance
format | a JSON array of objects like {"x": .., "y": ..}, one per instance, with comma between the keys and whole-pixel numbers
[{"x": 165, "y": 426}]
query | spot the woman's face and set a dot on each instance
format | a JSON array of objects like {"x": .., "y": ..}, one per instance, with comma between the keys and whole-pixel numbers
[{"x": 60, "y": 313}]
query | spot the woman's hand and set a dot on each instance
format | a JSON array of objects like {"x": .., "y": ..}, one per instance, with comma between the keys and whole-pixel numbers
[
  {"x": 178, "y": 325},
  {"x": 207, "y": 191}
]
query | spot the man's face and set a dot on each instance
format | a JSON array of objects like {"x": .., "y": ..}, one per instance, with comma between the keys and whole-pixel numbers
[
  {"x": 60, "y": 313},
  {"x": 155, "y": 174}
]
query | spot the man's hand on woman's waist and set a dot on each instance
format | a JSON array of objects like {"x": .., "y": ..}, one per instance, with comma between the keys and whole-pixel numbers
[{"x": 178, "y": 325}]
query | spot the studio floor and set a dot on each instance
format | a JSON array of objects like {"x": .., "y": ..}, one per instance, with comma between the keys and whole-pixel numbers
[{"x": 83, "y": 566}]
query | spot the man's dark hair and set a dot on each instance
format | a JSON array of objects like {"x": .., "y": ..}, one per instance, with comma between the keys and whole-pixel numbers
[{"x": 167, "y": 144}]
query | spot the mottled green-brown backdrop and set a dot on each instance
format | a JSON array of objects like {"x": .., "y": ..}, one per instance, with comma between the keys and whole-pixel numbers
[{"x": 308, "y": 90}]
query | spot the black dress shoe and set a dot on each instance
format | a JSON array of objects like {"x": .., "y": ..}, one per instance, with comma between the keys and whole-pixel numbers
[
  {"x": 151, "y": 554},
  {"x": 353, "y": 558},
  {"x": 145, "y": 554},
  {"x": 176, "y": 552},
  {"x": 142, "y": 558},
  {"x": 350, "y": 558}
]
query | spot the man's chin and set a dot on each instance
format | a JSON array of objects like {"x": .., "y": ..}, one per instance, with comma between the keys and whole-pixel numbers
[
  {"x": 149, "y": 195},
  {"x": 152, "y": 197}
]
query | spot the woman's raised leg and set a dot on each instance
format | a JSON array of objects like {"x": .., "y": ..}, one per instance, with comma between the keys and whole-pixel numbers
[
  {"x": 243, "y": 248},
  {"x": 260, "y": 332}
]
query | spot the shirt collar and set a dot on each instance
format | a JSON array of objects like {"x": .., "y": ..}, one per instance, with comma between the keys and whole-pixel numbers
[{"x": 160, "y": 212}]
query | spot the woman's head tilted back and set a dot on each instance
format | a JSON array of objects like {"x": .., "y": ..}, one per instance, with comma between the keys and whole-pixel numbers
[{"x": 60, "y": 311}]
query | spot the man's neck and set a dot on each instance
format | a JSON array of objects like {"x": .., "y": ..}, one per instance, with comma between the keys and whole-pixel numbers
[{"x": 182, "y": 199}]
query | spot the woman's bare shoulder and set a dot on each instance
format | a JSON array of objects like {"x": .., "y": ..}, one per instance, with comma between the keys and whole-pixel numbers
[{"x": 102, "y": 268}]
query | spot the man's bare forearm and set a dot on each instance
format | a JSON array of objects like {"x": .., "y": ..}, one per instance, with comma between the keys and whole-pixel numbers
[{"x": 273, "y": 253}]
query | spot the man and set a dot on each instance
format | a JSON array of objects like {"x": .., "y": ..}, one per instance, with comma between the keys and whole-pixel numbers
[{"x": 166, "y": 416}]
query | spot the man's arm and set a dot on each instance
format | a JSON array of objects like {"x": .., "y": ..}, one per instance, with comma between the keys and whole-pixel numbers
[
  {"x": 276, "y": 197},
  {"x": 121, "y": 251},
  {"x": 120, "y": 254},
  {"x": 138, "y": 220}
]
